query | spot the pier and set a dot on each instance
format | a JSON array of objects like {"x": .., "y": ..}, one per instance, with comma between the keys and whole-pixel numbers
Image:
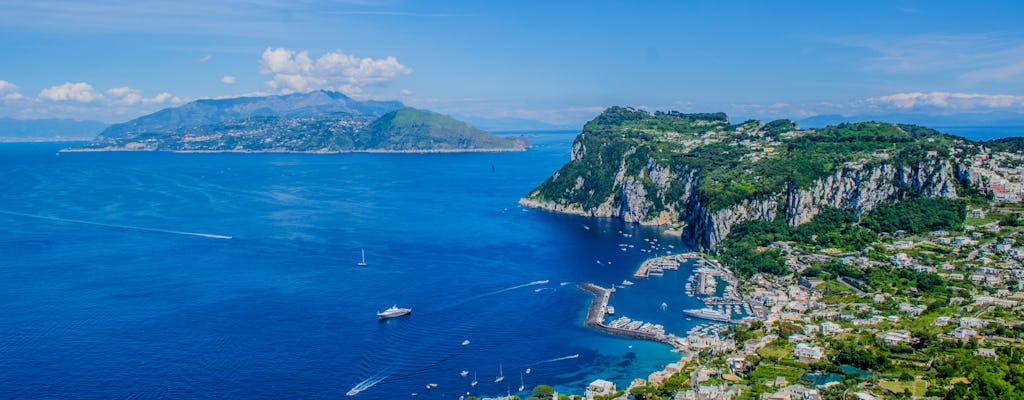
[{"x": 596, "y": 313}]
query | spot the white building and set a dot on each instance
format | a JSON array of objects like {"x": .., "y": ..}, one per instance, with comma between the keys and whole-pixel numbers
[
  {"x": 830, "y": 328},
  {"x": 806, "y": 352}
]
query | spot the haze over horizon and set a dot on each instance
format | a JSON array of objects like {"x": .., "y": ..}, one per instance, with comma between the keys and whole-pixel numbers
[{"x": 556, "y": 63}]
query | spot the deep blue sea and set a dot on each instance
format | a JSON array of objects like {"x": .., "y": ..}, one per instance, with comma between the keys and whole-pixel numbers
[{"x": 104, "y": 294}]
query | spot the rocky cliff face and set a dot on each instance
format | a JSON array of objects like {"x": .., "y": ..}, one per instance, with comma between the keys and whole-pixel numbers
[
  {"x": 855, "y": 186},
  {"x": 700, "y": 174}
]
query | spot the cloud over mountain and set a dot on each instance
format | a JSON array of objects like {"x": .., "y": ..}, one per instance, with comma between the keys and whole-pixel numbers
[{"x": 296, "y": 71}]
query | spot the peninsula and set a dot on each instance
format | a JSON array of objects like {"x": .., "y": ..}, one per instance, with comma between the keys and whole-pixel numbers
[
  {"x": 865, "y": 260},
  {"x": 314, "y": 122}
]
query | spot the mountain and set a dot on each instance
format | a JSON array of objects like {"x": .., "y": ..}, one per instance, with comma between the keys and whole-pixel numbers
[
  {"x": 214, "y": 111},
  {"x": 48, "y": 129},
  {"x": 320, "y": 121},
  {"x": 704, "y": 175},
  {"x": 412, "y": 129}
]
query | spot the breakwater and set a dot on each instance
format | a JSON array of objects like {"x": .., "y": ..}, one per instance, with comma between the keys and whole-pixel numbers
[{"x": 598, "y": 309}]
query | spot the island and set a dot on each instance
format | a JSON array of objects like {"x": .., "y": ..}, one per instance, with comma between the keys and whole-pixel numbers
[
  {"x": 314, "y": 122},
  {"x": 862, "y": 260}
]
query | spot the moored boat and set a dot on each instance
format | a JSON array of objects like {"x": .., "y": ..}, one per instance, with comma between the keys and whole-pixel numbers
[{"x": 393, "y": 312}]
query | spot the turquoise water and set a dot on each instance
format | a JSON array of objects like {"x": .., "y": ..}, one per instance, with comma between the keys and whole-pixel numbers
[{"x": 104, "y": 293}]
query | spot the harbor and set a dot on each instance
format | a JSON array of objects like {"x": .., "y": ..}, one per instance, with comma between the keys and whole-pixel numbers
[{"x": 624, "y": 327}]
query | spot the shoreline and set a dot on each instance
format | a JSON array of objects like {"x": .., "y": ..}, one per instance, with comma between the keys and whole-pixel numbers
[
  {"x": 664, "y": 229},
  {"x": 119, "y": 150}
]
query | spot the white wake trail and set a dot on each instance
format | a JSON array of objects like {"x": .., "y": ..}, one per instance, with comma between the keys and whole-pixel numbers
[
  {"x": 557, "y": 359},
  {"x": 116, "y": 226}
]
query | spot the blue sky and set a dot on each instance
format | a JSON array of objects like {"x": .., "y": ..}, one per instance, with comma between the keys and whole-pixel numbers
[{"x": 559, "y": 62}]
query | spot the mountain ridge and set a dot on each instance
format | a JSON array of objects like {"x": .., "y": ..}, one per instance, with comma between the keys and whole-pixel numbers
[{"x": 316, "y": 122}]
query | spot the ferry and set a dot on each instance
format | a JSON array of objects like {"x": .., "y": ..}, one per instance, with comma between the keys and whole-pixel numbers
[
  {"x": 708, "y": 314},
  {"x": 393, "y": 312}
]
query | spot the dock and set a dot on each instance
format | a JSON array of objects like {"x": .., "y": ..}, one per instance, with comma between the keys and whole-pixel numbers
[{"x": 596, "y": 314}]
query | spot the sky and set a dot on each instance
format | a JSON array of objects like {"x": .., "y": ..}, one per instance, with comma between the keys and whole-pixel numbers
[{"x": 560, "y": 62}]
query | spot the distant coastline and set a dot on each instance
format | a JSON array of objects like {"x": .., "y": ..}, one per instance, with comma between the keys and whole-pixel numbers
[
  {"x": 43, "y": 139},
  {"x": 118, "y": 150}
]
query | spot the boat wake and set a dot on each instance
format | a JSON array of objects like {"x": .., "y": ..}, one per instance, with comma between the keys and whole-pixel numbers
[
  {"x": 368, "y": 383},
  {"x": 116, "y": 226},
  {"x": 557, "y": 359},
  {"x": 534, "y": 283}
]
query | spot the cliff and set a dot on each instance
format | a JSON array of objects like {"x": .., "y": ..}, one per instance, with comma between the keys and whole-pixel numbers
[{"x": 701, "y": 173}]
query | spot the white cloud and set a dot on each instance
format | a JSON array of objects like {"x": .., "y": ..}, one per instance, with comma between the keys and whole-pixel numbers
[
  {"x": 405, "y": 92},
  {"x": 162, "y": 98},
  {"x": 9, "y": 91},
  {"x": 948, "y": 101},
  {"x": 205, "y": 59},
  {"x": 125, "y": 95},
  {"x": 79, "y": 91},
  {"x": 295, "y": 71},
  {"x": 228, "y": 80},
  {"x": 82, "y": 100}
]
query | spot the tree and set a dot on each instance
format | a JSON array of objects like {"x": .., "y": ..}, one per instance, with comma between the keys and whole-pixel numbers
[{"x": 544, "y": 391}]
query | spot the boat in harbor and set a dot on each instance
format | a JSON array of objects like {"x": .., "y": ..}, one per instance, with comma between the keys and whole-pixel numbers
[
  {"x": 522, "y": 385},
  {"x": 664, "y": 306},
  {"x": 501, "y": 375},
  {"x": 465, "y": 342},
  {"x": 393, "y": 312},
  {"x": 626, "y": 283},
  {"x": 464, "y": 373},
  {"x": 528, "y": 371},
  {"x": 475, "y": 381},
  {"x": 362, "y": 261},
  {"x": 611, "y": 310},
  {"x": 708, "y": 314}
]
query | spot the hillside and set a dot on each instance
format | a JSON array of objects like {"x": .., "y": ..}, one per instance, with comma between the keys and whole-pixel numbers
[
  {"x": 412, "y": 129},
  {"x": 704, "y": 175},
  {"x": 319, "y": 121},
  {"x": 214, "y": 111}
]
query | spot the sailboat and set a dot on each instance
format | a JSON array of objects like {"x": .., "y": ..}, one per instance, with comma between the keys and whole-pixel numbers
[
  {"x": 501, "y": 375},
  {"x": 521, "y": 384},
  {"x": 362, "y": 263},
  {"x": 473, "y": 384}
]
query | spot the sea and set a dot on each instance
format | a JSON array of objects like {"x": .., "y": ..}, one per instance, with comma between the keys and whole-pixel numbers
[{"x": 138, "y": 275}]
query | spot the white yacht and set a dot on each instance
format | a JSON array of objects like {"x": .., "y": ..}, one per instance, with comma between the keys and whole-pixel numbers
[
  {"x": 393, "y": 312},
  {"x": 501, "y": 375}
]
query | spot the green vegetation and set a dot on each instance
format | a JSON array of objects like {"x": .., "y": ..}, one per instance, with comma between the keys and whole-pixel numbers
[
  {"x": 744, "y": 250},
  {"x": 689, "y": 166},
  {"x": 406, "y": 129},
  {"x": 918, "y": 215},
  {"x": 412, "y": 129}
]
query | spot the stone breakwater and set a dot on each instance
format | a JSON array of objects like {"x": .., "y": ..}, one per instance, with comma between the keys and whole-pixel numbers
[{"x": 596, "y": 314}]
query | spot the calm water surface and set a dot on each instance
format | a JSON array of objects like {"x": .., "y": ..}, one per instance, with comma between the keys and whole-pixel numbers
[{"x": 104, "y": 295}]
